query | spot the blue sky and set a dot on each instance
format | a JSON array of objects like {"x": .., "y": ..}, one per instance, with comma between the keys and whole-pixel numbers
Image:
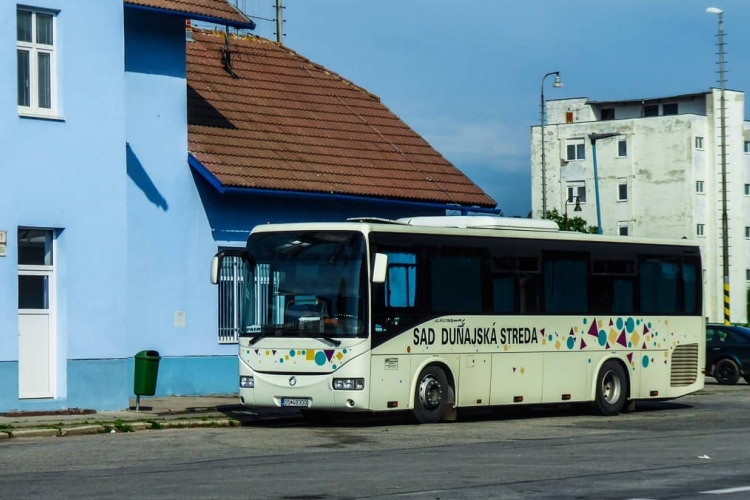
[{"x": 466, "y": 74}]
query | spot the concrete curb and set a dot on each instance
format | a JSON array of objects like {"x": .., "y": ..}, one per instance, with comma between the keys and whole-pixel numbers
[
  {"x": 185, "y": 424},
  {"x": 120, "y": 427},
  {"x": 82, "y": 429},
  {"x": 21, "y": 433}
]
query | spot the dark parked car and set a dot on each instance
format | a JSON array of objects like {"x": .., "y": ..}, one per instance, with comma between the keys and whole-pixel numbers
[{"x": 727, "y": 353}]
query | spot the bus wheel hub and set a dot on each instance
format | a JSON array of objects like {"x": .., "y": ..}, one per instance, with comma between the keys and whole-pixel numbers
[{"x": 430, "y": 393}]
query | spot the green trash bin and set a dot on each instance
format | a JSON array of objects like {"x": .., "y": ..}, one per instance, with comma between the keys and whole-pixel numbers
[{"x": 146, "y": 371}]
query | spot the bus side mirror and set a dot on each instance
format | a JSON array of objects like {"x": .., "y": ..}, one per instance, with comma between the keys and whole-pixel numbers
[
  {"x": 379, "y": 268},
  {"x": 215, "y": 266},
  {"x": 228, "y": 252}
]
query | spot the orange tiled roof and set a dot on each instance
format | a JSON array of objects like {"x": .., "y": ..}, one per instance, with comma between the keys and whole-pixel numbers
[
  {"x": 218, "y": 10},
  {"x": 285, "y": 123}
]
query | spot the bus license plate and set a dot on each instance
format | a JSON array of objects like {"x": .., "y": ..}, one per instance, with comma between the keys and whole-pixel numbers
[{"x": 297, "y": 402}]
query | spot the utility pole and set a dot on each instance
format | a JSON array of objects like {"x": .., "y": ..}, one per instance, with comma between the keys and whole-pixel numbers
[{"x": 279, "y": 23}]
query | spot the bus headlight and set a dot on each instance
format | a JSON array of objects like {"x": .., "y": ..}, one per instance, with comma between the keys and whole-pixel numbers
[
  {"x": 348, "y": 384},
  {"x": 246, "y": 382}
]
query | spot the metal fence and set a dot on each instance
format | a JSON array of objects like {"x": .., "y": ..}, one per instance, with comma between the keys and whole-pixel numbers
[{"x": 231, "y": 291}]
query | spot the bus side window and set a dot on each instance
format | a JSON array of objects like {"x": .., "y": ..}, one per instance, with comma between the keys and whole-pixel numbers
[
  {"x": 529, "y": 293},
  {"x": 691, "y": 289},
  {"x": 566, "y": 283},
  {"x": 516, "y": 282},
  {"x": 456, "y": 283},
  {"x": 400, "y": 283},
  {"x": 612, "y": 284},
  {"x": 396, "y": 297},
  {"x": 504, "y": 294},
  {"x": 658, "y": 285}
]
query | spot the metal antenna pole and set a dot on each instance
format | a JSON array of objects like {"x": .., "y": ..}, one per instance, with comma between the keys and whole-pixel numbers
[
  {"x": 724, "y": 217},
  {"x": 723, "y": 126}
]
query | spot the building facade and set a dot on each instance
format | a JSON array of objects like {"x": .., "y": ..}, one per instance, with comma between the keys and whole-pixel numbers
[
  {"x": 653, "y": 168},
  {"x": 116, "y": 195}
]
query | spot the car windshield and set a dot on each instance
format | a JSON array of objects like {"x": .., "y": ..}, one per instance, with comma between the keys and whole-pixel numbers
[{"x": 306, "y": 284}]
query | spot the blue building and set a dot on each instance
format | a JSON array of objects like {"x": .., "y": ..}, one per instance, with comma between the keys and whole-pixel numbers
[{"x": 134, "y": 155}]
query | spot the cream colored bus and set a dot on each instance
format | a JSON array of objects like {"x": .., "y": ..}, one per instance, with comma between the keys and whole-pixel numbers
[{"x": 431, "y": 314}]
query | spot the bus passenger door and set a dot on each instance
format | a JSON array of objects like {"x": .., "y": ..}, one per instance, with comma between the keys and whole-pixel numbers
[{"x": 473, "y": 386}]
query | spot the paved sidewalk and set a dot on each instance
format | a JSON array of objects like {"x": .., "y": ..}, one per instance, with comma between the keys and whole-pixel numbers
[{"x": 153, "y": 413}]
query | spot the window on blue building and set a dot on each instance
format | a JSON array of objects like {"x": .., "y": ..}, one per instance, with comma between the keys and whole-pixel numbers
[{"x": 35, "y": 55}]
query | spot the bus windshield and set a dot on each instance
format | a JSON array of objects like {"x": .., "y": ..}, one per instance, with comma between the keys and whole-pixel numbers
[{"x": 307, "y": 284}]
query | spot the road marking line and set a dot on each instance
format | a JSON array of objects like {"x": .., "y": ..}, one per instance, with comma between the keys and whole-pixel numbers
[{"x": 726, "y": 490}]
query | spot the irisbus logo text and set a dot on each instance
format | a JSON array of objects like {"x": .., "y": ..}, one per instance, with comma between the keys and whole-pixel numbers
[{"x": 475, "y": 336}]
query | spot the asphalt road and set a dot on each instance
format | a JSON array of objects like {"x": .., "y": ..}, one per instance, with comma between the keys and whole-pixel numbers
[{"x": 695, "y": 447}]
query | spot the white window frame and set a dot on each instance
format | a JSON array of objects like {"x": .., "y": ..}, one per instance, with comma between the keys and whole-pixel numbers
[
  {"x": 620, "y": 183},
  {"x": 747, "y": 232},
  {"x": 747, "y": 147},
  {"x": 747, "y": 275},
  {"x": 747, "y": 189},
  {"x": 576, "y": 189},
  {"x": 700, "y": 229},
  {"x": 579, "y": 149},
  {"x": 625, "y": 142},
  {"x": 700, "y": 187},
  {"x": 34, "y": 49},
  {"x": 623, "y": 226},
  {"x": 699, "y": 142}
]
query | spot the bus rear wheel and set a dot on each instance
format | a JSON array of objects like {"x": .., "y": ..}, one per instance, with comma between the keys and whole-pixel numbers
[
  {"x": 431, "y": 396},
  {"x": 611, "y": 388}
]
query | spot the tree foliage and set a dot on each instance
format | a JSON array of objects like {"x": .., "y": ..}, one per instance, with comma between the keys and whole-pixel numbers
[{"x": 566, "y": 223}]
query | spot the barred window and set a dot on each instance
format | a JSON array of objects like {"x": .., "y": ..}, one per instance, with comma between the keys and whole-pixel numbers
[{"x": 231, "y": 290}]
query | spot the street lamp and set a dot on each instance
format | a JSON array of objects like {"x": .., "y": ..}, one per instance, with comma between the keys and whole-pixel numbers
[
  {"x": 594, "y": 138},
  {"x": 556, "y": 85},
  {"x": 577, "y": 208},
  {"x": 724, "y": 220}
]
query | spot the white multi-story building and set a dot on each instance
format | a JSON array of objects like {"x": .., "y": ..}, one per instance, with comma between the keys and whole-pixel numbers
[{"x": 658, "y": 174}]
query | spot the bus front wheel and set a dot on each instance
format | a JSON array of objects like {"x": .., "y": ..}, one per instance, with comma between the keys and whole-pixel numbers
[
  {"x": 431, "y": 396},
  {"x": 611, "y": 388}
]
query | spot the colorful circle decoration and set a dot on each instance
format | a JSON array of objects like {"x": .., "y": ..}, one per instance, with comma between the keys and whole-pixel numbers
[
  {"x": 602, "y": 338},
  {"x": 630, "y": 325}
]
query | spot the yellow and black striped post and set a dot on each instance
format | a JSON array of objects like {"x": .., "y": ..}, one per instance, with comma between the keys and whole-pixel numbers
[{"x": 726, "y": 300}]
